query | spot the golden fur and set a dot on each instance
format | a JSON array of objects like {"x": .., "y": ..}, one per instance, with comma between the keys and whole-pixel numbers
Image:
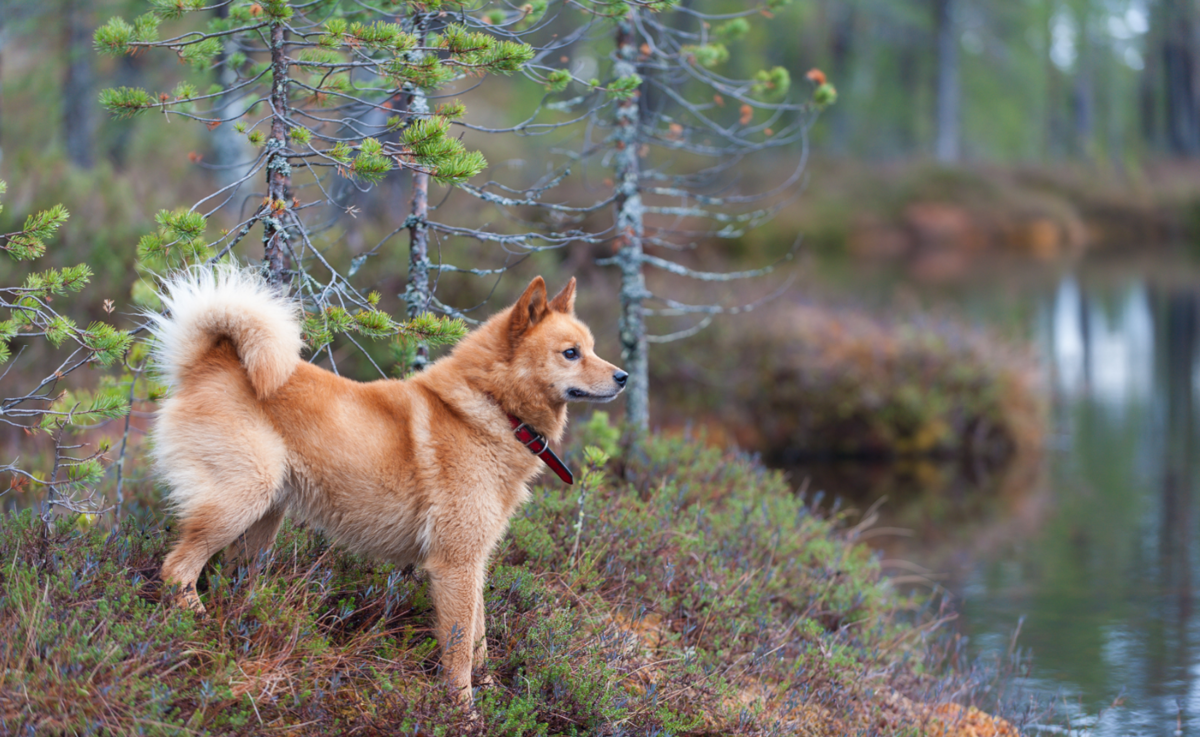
[{"x": 425, "y": 471}]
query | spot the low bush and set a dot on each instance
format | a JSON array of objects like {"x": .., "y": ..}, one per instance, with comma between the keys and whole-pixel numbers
[{"x": 810, "y": 381}]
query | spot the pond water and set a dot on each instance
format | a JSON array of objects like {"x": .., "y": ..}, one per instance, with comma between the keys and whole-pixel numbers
[
  {"x": 1106, "y": 578},
  {"x": 1093, "y": 552}
]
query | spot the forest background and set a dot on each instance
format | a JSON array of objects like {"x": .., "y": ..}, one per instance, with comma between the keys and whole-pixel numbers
[
  {"x": 967, "y": 136},
  {"x": 963, "y": 131}
]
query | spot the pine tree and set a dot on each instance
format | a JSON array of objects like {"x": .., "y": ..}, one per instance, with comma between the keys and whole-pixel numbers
[
  {"x": 336, "y": 90},
  {"x": 32, "y": 318},
  {"x": 306, "y": 85},
  {"x": 673, "y": 128}
]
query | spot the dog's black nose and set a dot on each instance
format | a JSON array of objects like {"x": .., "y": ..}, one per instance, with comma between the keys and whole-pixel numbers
[{"x": 621, "y": 377}]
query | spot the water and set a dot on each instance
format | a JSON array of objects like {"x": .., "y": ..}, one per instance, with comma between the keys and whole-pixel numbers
[
  {"x": 1106, "y": 578},
  {"x": 1094, "y": 551}
]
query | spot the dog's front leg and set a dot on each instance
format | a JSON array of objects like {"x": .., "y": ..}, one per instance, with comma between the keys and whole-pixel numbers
[
  {"x": 480, "y": 636},
  {"x": 454, "y": 591}
]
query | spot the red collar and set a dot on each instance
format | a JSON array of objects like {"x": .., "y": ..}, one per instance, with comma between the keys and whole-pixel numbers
[{"x": 540, "y": 448}]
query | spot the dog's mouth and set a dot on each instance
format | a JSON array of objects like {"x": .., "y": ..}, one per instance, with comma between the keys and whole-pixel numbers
[{"x": 581, "y": 395}]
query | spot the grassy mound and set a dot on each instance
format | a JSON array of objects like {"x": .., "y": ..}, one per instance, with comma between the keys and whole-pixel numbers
[
  {"x": 811, "y": 381},
  {"x": 704, "y": 598}
]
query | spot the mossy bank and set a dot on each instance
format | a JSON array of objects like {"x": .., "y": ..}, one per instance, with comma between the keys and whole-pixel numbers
[{"x": 698, "y": 596}]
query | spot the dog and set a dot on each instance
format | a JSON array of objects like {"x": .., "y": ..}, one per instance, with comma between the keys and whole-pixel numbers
[{"x": 423, "y": 471}]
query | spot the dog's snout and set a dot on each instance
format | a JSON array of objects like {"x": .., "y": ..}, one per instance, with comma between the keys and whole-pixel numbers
[{"x": 620, "y": 377}]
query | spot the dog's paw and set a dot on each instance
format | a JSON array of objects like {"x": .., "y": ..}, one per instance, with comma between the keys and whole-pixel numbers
[{"x": 189, "y": 599}]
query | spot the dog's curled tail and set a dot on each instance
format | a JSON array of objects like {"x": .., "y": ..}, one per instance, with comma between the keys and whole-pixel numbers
[{"x": 202, "y": 305}]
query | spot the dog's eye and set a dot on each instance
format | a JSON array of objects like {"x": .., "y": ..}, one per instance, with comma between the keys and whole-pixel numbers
[{"x": 571, "y": 354}]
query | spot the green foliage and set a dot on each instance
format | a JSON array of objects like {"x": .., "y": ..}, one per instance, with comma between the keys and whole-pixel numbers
[
  {"x": 452, "y": 110},
  {"x": 483, "y": 51},
  {"x": 601, "y": 433},
  {"x": 371, "y": 165},
  {"x": 334, "y": 28},
  {"x": 106, "y": 343},
  {"x": 201, "y": 54},
  {"x": 30, "y": 242},
  {"x": 179, "y": 240},
  {"x": 772, "y": 83},
  {"x": 708, "y": 55},
  {"x": 57, "y": 281},
  {"x": 172, "y": 9},
  {"x": 381, "y": 35},
  {"x": 319, "y": 56},
  {"x": 625, "y": 87},
  {"x": 533, "y": 12},
  {"x": 434, "y": 330},
  {"x": 126, "y": 102},
  {"x": 558, "y": 80},
  {"x": 428, "y": 72},
  {"x": 319, "y": 329},
  {"x": 278, "y": 10},
  {"x": 732, "y": 30},
  {"x": 113, "y": 37},
  {"x": 340, "y": 153},
  {"x": 445, "y": 157},
  {"x": 824, "y": 95},
  {"x": 184, "y": 91},
  {"x": 32, "y": 314},
  {"x": 75, "y": 408},
  {"x": 303, "y": 136}
]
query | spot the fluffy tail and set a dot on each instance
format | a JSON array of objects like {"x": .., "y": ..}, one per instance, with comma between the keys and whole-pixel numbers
[{"x": 203, "y": 305}]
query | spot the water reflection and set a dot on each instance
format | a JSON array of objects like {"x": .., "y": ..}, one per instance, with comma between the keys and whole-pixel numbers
[
  {"x": 1106, "y": 580},
  {"x": 1101, "y": 348}
]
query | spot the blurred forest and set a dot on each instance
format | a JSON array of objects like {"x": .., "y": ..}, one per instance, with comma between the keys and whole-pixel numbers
[
  {"x": 978, "y": 154},
  {"x": 964, "y": 132},
  {"x": 1082, "y": 101},
  {"x": 1111, "y": 81}
]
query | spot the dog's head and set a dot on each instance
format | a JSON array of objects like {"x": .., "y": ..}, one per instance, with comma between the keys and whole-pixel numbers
[{"x": 554, "y": 352}]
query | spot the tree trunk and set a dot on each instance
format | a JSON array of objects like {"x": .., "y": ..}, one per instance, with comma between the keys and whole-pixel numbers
[
  {"x": 1084, "y": 94},
  {"x": 279, "y": 171},
  {"x": 841, "y": 52},
  {"x": 417, "y": 293},
  {"x": 1178, "y": 353},
  {"x": 949, "y": 94},
  {"x": 1150, "y": 84},
  {"x": 3, "y": 44},
  {"x": 1179, "y": 60},
  {"x": 629, "y": 231},
  {"x": 229, "y": 148},
  {"x": 79, "y": 122}
]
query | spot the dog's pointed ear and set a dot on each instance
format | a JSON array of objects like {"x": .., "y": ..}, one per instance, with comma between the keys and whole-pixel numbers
[
  {"x": 529, "y": 310},
  {"x": 564, "y": 301}
]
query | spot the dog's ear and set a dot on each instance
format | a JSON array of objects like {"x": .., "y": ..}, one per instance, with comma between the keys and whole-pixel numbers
[
  {"x": 529, "y": 310},
  {"x": 564, "y": 301}
]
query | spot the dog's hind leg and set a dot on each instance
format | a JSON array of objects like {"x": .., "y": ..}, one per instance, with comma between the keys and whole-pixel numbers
[
  {"x": 243, "y": 492},
  {"x": 258, "y": 539}
]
